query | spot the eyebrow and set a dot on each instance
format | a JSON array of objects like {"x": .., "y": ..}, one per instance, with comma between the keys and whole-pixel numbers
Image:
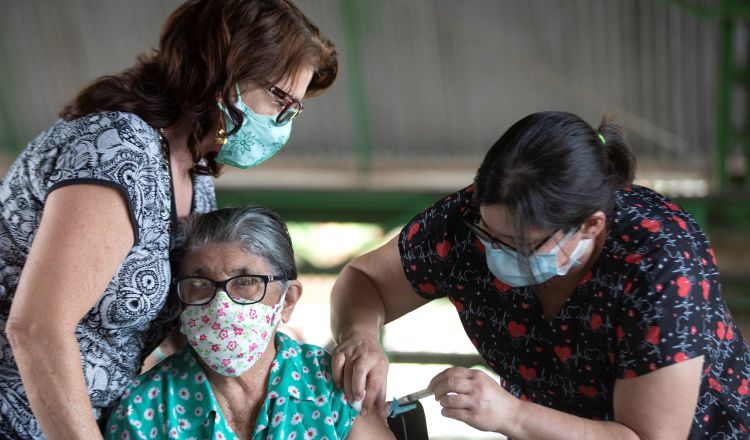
[
  {"x": 284, "y": 90},
  {"x": 244, "y": 270},
  {"x": 486, "y": 227}
]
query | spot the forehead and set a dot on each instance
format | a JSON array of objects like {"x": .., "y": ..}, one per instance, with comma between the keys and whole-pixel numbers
[
  {"x": 222, "y": 258},
  {"x": 296, "y": 84},
  {"x": 501, "y": 223}
]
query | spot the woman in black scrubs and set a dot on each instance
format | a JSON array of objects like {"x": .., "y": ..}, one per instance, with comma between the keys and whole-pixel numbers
[{"x": 597, "y": 301}]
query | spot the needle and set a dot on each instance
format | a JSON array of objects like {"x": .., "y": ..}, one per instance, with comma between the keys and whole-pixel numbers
[{"x": 413, "y": 397}]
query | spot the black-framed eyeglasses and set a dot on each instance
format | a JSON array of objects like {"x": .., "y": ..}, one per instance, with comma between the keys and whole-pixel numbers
[
  {"x": 499, "y": 244},
  {"x": 242, "y": 289},
  {"x": 291, "y": 107}
]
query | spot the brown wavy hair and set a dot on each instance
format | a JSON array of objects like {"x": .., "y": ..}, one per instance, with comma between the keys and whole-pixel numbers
[{"x": 205, "y": 48}]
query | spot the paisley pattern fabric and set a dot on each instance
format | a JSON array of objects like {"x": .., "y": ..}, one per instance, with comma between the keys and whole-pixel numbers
[
  {"x": 175, "y": 400},
  {"x": 652, "y": 299},
  {"x": 121, "y": 151}
]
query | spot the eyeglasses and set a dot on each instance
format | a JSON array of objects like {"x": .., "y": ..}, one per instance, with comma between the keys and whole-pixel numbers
[
  {"x": 499, "y": 244},
  {"x": 243, "y": 289},
  {"x": 291, "y": 106}
]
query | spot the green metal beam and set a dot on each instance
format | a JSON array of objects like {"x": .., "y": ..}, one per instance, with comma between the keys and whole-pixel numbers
[
  {"x": 353, "y": 15},
  {"x": 388, "y": 209},
  {"x": 8, "y": 132},
  {"x": 724, "y": 104},
  {"x": 737, "y": 9}
]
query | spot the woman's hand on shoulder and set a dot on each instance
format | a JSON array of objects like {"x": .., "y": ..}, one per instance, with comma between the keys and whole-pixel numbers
[{"x": 360, "y": 368}]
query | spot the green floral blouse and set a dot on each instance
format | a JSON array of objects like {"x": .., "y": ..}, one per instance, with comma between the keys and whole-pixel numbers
[{"x": 174, "y": 400}]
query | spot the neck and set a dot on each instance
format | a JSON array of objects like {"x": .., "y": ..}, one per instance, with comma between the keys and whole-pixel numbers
[
  {"x": 179, "y": 153},
  {"x": 240, "y": 398}
]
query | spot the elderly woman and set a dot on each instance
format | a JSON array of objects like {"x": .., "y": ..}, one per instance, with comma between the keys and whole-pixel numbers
[{"x": 239, "y": 377}]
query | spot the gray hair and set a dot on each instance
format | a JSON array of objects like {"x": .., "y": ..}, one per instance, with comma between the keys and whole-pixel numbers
[{"x": 257, "y": 229}]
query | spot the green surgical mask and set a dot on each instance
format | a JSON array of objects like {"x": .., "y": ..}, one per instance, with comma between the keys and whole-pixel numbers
[{"x": 258, "y": 139}]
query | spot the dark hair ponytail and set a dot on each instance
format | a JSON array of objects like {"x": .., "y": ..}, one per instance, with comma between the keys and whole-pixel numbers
[
  {"x": 552, "y": 170},
  {"x": 619, "y": 155}
]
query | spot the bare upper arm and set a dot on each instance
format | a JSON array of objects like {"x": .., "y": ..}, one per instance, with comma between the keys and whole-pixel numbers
[
  {"x": 383, "y": 269},
  {"x": 370, "y": 426},
  {"x": 84, "y": 235},
  {"x": 660, "y": 404}
]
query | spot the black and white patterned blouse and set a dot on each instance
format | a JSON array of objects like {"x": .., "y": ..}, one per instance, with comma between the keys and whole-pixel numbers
[
  {"x": 121, "y": 151},
  {"x": 652, "y": 299}
]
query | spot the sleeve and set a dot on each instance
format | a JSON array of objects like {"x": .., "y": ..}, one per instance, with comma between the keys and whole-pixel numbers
[
  {"x": 110, "y": 150},
  {"x": 427, "y": 245},
  {"x": 342, "y": 413},
  {"x": 671, "y": 308},
  {"x": 204, "y": 199}
]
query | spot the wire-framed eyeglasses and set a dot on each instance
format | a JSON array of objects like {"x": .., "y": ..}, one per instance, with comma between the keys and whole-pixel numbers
[
  {"x": 242, "y": 289},
  {"x": 499, "y": 244},
  {"x": 291, "y": 107}
]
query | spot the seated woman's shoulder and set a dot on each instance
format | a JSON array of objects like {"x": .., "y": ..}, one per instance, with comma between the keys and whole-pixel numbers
[{"x": 304, "y": 362}]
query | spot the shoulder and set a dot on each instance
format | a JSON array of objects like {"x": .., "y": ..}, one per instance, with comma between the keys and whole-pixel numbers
[
  {"x": 164, "y": 381},
  {"x": 648, "y": 224},
  {"x": 435, "y": 240},
  {"x": 204, "y": 196},
  {"x": 107, "y": 136},
  {"x": 444, "y": 213},
  {"x": 160, "y": 398},
  {"x": 302, "y": 371},
  {"x": 648, "y": 213}
]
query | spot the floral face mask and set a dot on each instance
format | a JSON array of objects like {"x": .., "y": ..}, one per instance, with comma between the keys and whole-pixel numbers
[{"x": 230, "y": 337}]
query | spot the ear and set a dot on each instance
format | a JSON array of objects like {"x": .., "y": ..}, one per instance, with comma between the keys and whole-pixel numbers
[
  {"x": 593, "y": 225},
  {"x": 293, "y": 294}
]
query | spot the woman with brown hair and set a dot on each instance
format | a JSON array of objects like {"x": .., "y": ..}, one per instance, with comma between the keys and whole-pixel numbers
[{"x": 90, "y": 209}]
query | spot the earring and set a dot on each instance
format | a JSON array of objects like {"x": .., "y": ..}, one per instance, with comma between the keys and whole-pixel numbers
[{"x": 221, "y": 133}]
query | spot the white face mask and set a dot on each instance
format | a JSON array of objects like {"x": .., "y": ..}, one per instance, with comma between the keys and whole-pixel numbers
[{"x": 230, "y": 337}]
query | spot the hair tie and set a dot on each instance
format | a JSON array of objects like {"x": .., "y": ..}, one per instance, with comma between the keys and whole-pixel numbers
[{"x": 601, "y": 138}]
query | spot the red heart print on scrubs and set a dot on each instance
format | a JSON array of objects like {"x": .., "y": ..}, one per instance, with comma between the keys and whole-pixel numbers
[
  {"x": 443, "y": 248},
  {"x": 413, "y": 230},
  {"x": 633, "y": 258},
  {"x": 651, "y": 224},
  {"x": 652, "y": 335},
  {"x": 563, "y": 353},
  {"x": 516, "y": 330},
  {"x": 683, "y": 286},
  {"x": 588, "y": 391},
  {"x": 527, "y": 373},
  {"x": 714, "y": 384},
  {"x": 742, "y": 390}
]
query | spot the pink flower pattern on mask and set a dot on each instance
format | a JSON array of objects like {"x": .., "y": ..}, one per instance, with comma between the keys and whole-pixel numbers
[{"x": 222, "y": 328}]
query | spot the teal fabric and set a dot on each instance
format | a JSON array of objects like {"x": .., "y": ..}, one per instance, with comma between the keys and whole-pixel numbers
[{"x": 175, "y": 400}]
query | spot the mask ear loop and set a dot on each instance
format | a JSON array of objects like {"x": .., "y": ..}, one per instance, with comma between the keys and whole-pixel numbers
[{"x": 280, "y": 304}]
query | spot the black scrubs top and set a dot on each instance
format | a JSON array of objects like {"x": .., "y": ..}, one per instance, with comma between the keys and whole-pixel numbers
[{"x": 652, "y": 299}]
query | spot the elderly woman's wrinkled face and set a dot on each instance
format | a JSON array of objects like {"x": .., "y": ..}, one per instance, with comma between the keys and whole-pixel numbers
[{"x": 230, "y": 322}]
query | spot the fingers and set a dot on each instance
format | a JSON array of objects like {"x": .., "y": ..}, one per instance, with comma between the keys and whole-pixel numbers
[
  {"x": 453, "y": 380},
  {"x": 376, "y": 379},
  {"x": 463, "y": 415},
  {"x": 337, "y": 367},
  {"x": 382, "y": 406},
  {"x": 360, "y": 368},
  {"x": 458, "y": 401},
  {"x": 349, "y": 392}
]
